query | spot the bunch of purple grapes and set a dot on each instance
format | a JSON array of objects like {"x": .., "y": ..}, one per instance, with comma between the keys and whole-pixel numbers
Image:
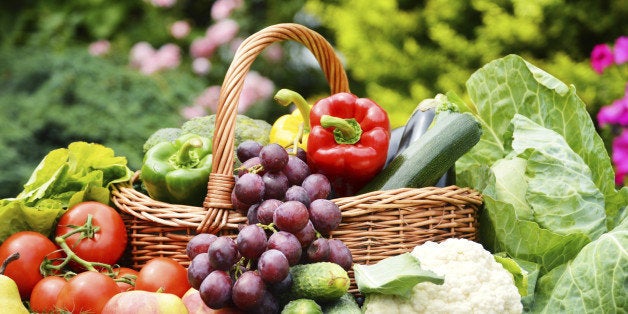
[{"x": 289, "y": 218}]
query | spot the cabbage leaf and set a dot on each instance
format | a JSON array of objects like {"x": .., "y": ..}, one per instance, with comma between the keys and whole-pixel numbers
[{"x": 595, "y": 281}]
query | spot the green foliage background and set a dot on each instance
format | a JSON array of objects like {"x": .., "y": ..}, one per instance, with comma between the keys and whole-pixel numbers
[
  {"x": 404, "y": 51},
  {"x": 396, "y": 52}
]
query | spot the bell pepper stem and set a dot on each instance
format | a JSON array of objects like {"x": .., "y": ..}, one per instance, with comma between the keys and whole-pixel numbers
[
  {"x": 346, "y": 131},
  {"x": 285, "y": 97},
  {"x": 184, "y": 157}
]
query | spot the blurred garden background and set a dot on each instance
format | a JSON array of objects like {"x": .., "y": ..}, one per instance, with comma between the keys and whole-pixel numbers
[{"x": 115, "y": 71}]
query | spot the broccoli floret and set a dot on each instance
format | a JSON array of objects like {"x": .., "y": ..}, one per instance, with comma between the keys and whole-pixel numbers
[
  {"x": 246, "y": 128},
  {"x": 162, "y": 135}
]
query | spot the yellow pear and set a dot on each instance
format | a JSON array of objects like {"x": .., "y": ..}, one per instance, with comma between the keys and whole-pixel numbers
[{"x": 10, "y": 301}]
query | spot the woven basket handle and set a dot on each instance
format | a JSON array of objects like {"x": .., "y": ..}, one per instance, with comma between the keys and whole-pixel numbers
[{"x": 221, "y": 181}]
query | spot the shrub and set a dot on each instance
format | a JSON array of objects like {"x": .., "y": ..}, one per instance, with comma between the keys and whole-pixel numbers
[{"x": 48, "y": 100}]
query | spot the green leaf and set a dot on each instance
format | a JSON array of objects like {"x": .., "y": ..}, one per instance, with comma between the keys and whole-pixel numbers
[
  {"x": 66, "y": 176},
  {"x": 510, "y": 86},
  {"x": 501, "y": 230},
  {"x": 395, "y": 275},
  {"x": 16, "y": 216},
  {"x": 594, "y": 282}
]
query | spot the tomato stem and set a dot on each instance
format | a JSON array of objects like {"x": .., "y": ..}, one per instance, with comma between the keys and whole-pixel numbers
[{"x": 88, "y": 230}]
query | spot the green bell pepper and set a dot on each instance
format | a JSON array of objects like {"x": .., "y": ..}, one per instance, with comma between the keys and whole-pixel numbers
[{"x": 177, "y": 171}]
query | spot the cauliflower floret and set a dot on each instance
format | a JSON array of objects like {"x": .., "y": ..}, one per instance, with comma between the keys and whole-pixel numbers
[{"x": 474, "y": 283}]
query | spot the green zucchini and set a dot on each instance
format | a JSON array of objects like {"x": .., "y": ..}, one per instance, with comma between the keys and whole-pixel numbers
[{"x": 429, "y": 157}]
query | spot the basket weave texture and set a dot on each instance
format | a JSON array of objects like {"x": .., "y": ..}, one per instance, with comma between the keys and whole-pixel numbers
[{"x": 374, "y": 226}]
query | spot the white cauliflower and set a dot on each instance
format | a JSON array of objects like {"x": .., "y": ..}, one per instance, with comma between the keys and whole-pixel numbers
[{"x": 474, "y": 283}]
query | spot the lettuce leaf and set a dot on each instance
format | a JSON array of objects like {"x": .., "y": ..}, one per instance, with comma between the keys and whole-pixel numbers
[
  {"x": 65, "y": 176},
  {"x": 595, "y": 281}
]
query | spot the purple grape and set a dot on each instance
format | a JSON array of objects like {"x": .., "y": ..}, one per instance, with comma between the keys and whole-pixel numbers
[
  {"x": 340, "y": 254},
  {"x": 274, "y": 157},
  {"x": 296, "y": 170},
  {"x": 325, "y": 215},
  {"x": 282, "y": 286},
  {"x": 266, "y": 210},
  {"x": 273, "y": 266},
  {"x": 301, "y": 154},
  {"x": 299, "y": 194},
  {"x": 249, "y": 188},
  {"x": 223, "y": 253},
  {"x": 248, "y": 291},
  {"x": 269, "y": 304},
  {"x": 198, "y": 269},
  {"x": 291, "y": 216},
  {"x": 318, "y": 251},
  {"x": 251, "y": 241},
  {"x": 239, "y": 206},
  {"x": 317, "y": 186},
  {"x": 275, "y": 185},
  {"x": 215, "y": 290},
  {"x": 253, "y": 165},
  {"x": 288, "y": 244},
  {"x": 307, "y": 235},
  {"x": 247, "y": 150},
  {"x": 251, "y": 214},
  {"x": 199, "y": 244}
]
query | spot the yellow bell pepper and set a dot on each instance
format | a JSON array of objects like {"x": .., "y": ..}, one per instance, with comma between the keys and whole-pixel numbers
[{"x": 291, "y": 130}]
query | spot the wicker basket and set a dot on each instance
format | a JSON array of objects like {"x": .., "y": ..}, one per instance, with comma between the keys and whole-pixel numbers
[{"x": 374, "y": 225}]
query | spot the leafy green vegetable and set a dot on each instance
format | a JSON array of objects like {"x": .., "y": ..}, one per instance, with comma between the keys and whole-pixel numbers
[
  {"x": 520, "y": 275},
  {"x": 545, "y": 175},
  {"x": 510, "y": 86},
  {"x": 594, "y": 282},
  {"x": 66, "y": 176},
  {"x": 395, "y": 275}
]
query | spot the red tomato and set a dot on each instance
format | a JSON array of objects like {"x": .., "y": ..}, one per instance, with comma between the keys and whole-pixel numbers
[
  {"x": 33, "y": 248},
  {"x": 125, "y": 271},
  {"x": 163, "y": 273},
  {"x": 88, "y": 291},
  {"x": 108, "y": 243},
  {"x": 45, "y": 294}
]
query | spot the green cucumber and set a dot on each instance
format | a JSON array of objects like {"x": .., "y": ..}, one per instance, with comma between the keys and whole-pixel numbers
[
  {"x": 345, "y": 305},
  {"x": 322, "y": 281},
  {"x": 302, "y": 306},
  {"x": 429, "y": 157}
]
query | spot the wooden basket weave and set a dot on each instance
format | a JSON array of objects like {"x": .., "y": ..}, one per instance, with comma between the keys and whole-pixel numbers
[{"x": 374, "y": 225}]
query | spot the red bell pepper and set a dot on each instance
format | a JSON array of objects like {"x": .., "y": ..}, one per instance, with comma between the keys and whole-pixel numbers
[{"x": 348, "y": 141}]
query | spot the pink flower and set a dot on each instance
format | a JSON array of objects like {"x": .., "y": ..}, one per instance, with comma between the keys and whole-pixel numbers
[
  {"x": 221, "y": 9},
  {"x": 180, "y": 29},
  {"x": 201, "y": 66},
  {"x": 202, "y": 47},
  {"x": 621, "y": 50},
  {"x": 148, "y": 60},
  {"x": 194, "y": 111},
  {"x": 601, "y": 57},
  {"x": 223, "y": 31},
  {"x": 99, "y": 48},
  {"x": 209, "y": 98},
  {"x": 256, "y": 88},
  {"x": 139, "y": 52},
  {"x": 163, "y": 3},
  {"x": 620, "y": 157},
  {"x": 273, "y": 53},
  {"x": 168, "y": 56}
]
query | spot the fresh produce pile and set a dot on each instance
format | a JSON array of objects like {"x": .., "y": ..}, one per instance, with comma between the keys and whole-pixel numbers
[{"x": 553, "y": 229}]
